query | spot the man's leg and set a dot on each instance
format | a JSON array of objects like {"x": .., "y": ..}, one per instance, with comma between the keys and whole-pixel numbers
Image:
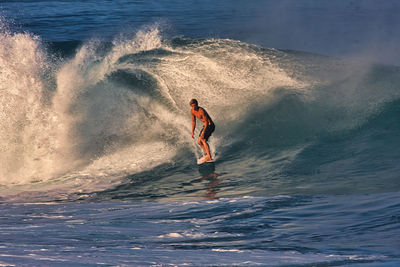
[
  {"x": 200, "y": 142},
  {"x": 206, "y": 148}
]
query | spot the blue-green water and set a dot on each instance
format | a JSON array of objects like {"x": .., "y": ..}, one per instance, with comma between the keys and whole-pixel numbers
[{"x": 98, "y": 166}]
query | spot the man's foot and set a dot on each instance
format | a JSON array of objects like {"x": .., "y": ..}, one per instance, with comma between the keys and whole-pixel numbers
[
  {"x": 204, "y": 159},
  {"x": 208, "y": 158}
]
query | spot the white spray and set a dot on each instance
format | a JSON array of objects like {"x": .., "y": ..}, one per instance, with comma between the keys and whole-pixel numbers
[{"x": 90, "y": 128}]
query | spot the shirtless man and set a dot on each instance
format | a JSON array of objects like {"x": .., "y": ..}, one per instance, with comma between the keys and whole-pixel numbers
[{"x": 208, "y": 128}]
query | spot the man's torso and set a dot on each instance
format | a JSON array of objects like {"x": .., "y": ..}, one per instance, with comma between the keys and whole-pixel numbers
[{"x": 202, "y": 115}]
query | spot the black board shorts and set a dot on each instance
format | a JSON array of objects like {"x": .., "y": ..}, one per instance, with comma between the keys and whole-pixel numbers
[{"x": 208, "y": 131}]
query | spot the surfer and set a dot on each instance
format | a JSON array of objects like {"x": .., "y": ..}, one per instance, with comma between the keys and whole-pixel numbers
[{"x": 208, "y": 128}]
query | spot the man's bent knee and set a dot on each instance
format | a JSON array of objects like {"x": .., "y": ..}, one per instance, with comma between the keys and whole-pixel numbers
[{"x": 202, "y": 141}]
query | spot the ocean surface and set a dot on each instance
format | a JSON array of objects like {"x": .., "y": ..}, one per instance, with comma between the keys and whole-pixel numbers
[{"x": 97, "y": 163}]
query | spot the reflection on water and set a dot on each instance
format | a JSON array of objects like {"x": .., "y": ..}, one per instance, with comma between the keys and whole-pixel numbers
[{"x": 207, "y": 171}]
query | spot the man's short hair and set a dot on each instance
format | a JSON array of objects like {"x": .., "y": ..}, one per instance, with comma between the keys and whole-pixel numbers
[{"x": 194, "y": 101}]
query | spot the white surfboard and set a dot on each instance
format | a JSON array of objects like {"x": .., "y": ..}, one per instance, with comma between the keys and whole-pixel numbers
[{"x": 201, "y": 161}]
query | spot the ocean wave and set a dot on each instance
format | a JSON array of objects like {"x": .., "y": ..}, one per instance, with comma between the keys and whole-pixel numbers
[{"x": 95, "y": 118}]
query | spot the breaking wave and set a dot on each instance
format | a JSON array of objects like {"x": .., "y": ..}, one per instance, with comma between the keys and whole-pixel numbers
[{"x": 110, "y": 111}]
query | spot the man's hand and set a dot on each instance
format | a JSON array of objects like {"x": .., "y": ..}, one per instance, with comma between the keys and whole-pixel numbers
[{"x": 192, "y": 135}]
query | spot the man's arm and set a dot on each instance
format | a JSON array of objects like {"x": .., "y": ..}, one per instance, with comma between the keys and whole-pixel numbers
[{"x": 193, "y": 124}]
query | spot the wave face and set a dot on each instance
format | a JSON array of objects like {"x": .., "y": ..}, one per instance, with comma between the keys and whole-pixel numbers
[{"x": 113, "y": 118}]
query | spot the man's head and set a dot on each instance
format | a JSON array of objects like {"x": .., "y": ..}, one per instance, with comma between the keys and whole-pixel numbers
[{"x": 193, "y": 102}]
